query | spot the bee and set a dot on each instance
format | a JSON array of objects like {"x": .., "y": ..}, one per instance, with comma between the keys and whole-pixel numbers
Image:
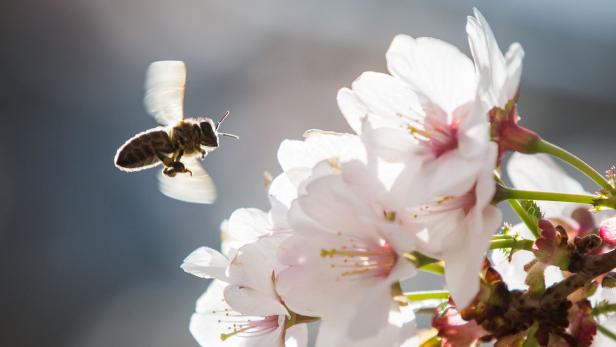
[{"x": 178, "y": 144}]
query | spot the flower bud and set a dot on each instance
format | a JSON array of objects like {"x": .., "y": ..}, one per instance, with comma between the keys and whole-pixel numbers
[
  {"x": 509, "y": 135},
  {"x": 607, "y": 231}
]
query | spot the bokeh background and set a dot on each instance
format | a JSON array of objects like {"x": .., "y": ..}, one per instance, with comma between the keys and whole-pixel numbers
[{"x": 89, "y": 256}]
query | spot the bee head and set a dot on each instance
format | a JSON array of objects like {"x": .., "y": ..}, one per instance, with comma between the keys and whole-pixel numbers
[{"x": 209, "y": 136}]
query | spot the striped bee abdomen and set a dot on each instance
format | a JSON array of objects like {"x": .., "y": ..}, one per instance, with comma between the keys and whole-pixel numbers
[{"x": 139, "y": 152}]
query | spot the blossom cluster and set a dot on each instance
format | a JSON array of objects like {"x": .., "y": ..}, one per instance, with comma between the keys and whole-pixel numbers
[{"x": 414, "y": 187}]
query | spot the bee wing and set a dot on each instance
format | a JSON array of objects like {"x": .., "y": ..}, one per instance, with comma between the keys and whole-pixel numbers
[
  {"x": 164, "y": 91},
  {"x": 198, "y": 188}
]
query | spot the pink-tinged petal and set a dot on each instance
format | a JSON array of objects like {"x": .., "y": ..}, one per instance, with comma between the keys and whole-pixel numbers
[
  {"x": 499, "y": 75},
  {"x": 485, "y": 188},
  {"x": 204, "y": 324},
  {"x": 464, "y": 261},
  {"x": 254, "y": 264},
  {"x": 245, "y": 225},
  {"x": 513, "y": 59},
  {"x": 353, "y": 109},
  {"x": 437, "y": 233},
  {"x": 330, "y": 203},
  {"x": 399, "y": 331},
  {"x": 317, "y": 147},
  {"x": 380, "y": 191},
  {"x": 371, "y": 313},
  {"x": 216, "y": 324},
  {"x": 391, "y": 144},
  {"x": 331, "y": 331},
  {"x": 540, "y": 172},
  {"x": 437, "y": 71},
  {"x": 452, "y": 174},
  {"x": 474, "y": 133},
  {"x": 297, "y": 336},
  {"x": 273, "y": 339},
  {"x": 206, "y": 262},
  {"x": 489, "y": 59},
  {"x": 252, "y": 302},
  {"x": 400, "y": 240},
  {"x": 310, "y": 285},
  {"x": 389, "y": 101},
  {"x": 282, "y": 192}
]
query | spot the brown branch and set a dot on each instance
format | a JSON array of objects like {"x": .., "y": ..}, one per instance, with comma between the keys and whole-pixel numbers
[
  {"x": 507, "y": 312},
  {"x": 591, "y": 266}
]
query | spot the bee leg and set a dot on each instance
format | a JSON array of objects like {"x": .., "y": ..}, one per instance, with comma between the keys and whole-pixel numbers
[
  {"x": 169, "y": 171},
  {"x": 178, "y": 155},
  {"x": 171, "y": 166},
  {"x": 176, "y": 167}
]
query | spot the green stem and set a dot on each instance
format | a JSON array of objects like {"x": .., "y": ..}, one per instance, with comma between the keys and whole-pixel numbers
[
  {"x": 603, "y": 308},
  {"x": 602, "y": 200},
  {"x": 517, "y": 194},
  {"x": 530, "y": 336},
  {"x": 543, "y": 146},
  {"x": 434, "y": 341},
  {"x": 512, "y": 243},
  {"x": 425, "y": 263},
  {"x": 519, "y": 210},
  {"x": 434, "y": 268},
  {"x": 607, "y": 332},
  {"x": 427, "y": 295},
  {"x": 501, "y": 237}
]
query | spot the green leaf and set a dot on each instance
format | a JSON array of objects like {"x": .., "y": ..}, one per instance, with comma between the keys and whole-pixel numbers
[{"x": 532, "y": 210}]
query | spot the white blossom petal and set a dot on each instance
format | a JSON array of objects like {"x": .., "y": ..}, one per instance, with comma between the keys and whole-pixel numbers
[
  {"x": 499, "y": 76},
  {"x": 463, "y": 263},
  {"x": 249, "y": 301},
  {"x": 245, "y": 225},
  {"x": 539, "y": 172},
  {"x": 206, "y": 262},
  {"x": 437, "y": 71},
  {"x": 296, "y": 336},
  {"x": 215, "y": 324}
]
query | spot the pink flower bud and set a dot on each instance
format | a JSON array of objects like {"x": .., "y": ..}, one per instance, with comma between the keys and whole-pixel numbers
[
  {"x": 509, "y": 135},
  {"x": 607, "y": 231}
]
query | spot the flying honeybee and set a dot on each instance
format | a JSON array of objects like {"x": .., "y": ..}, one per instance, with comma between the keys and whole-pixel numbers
[{"x": 178, "y": 144}]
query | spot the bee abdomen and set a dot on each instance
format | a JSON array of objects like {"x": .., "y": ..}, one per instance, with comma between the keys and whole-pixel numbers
[{"x": 139, "y": 152}]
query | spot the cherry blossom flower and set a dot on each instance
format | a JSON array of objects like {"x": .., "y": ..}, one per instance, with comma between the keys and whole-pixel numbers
[
  {"x": 241, "y": 307},
  {"x": 297, "y": 159},
  {"x": 216, "y": 323},
  {"x": 458, "y": 230},
  {"x": 425, "y": 111},
  {"x": 432, "y": 110},
  {"x": 499, "y": 74},
  {"x": 344, "y": 257}
]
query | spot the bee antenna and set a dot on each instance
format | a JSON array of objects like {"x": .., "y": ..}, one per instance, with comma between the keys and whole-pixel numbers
[
  {"x": 229, "y": 135},
  {"x": 222, "y": 119}
]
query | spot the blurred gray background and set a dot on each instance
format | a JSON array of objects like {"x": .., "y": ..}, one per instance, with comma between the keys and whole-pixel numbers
[{"x": 89, "y": 256}]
